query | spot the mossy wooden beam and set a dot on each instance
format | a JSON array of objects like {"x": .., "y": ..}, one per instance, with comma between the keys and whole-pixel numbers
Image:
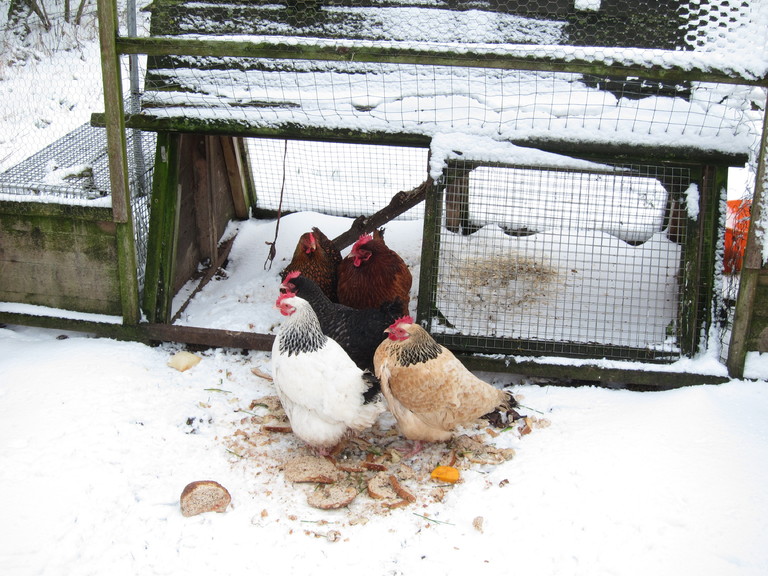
[
  {"x": 294, "y": 131},
  {"x": 59, "y": 211},
  {"x": 697, "y": 266},
  {"x": 102, "y": 329},
  {"x": 286, "y": 130},
  {"x": 60, "y": 256},
  {"x": 118, "y": 160},
  {"x": 583, "y": 60},
  {"x": 571, "y": 374},
  {"x": 163, "y": 230},
  {"x": 430, "y": 250},
  {"x": 148, "y": 333}
]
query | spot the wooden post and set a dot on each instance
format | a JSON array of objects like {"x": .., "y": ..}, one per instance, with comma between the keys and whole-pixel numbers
[
  {"x": 457, "y": 197},
  {"x": 118, "y": 160},
  {"x": 750, "y": 271},
  {"x": 163, "y": 230}
]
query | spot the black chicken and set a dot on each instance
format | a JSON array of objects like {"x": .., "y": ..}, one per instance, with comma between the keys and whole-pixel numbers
[{"x": 358, "y": 331}]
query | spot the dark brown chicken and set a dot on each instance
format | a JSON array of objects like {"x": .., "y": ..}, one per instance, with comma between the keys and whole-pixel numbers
[
  {"x": 317, "y": 258},
  {"x": 372, "y": 274}
]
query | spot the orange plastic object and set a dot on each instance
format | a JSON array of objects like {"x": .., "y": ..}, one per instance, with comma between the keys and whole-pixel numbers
[{"x": 736, "y": 227}]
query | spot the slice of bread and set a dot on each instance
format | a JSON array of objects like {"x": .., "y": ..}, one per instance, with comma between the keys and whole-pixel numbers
[{"x": 204, "y": 496}]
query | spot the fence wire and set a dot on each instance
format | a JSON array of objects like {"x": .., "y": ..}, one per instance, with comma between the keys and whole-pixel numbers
[{"x": 535, "y": 261}]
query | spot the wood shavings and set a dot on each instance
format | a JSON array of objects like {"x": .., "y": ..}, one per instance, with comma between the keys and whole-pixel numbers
[
  {"x": 369, "y": 475},
  {"x": 256, "y": 371}
]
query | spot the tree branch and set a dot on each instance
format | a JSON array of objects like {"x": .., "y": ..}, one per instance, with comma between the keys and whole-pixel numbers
[{"x": 401, "y": 202}]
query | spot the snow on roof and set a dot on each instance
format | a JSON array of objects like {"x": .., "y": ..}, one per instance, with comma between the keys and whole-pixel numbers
[
  {"x": 504, "y": 105},
  {"x": 513, "y": 105}
]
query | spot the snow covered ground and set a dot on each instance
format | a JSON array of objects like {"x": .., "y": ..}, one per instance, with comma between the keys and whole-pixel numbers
[{"x": 98, "y": 438}]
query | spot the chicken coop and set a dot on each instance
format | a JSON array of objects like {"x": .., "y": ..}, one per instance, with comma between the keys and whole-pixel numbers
[{"x": 566, "y": 162}]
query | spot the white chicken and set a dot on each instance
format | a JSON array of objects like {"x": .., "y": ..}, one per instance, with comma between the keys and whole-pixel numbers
[{"x": 320, "y": 387}]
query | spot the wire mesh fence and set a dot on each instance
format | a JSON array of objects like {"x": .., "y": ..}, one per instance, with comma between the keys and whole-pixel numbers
[
  {"x": 412, "y": 68},
  {"x": 535, "y": 261},
  {"x": 334, "y": 178},
  {"x": 591, "y": 263},
  {"x": 74, "y": 170}
]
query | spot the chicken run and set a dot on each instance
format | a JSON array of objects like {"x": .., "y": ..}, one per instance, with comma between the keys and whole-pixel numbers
[
  {"x": 408, "y": 195},
  {"x": 558, "y": 169}
]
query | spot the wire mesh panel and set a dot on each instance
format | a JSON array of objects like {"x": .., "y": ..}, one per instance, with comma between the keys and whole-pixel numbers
[
  {"x": 579, "y": 263},
  {"x": 74, "y": 170},
  {"x": 373, "y": 67},
  {"x": 334, "y": 178}
]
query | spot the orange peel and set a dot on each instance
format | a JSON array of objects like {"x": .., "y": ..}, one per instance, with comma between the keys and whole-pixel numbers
[{"x": 447, "y": 474}]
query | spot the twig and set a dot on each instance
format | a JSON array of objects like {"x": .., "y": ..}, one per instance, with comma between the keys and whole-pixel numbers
[
  {"x": 433, "y": 520},
  {"x": 531, "y": 409}
]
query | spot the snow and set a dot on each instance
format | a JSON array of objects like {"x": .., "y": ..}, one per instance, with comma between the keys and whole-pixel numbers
[{"x": 99, "y": 437}]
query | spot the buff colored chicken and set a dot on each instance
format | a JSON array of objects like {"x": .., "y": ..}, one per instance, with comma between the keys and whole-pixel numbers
[{"x": 428, "y": 390}]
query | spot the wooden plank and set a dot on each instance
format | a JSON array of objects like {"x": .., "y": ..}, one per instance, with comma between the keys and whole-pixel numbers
[
  {"x": 430, "y": 250},
  {"x": 118, "y": 159},
  {"x": 646, "y": 378},
  {"x": 243, "y": 158},
  {"x": 236, "y": 175},
  {"x": 712, "y": 185},
  {"x": 209, "y": 337},
  {"x": 63, "y": 212},
  {"x": 51, "y": 276},
  {"x": 457, "y": 197},
  {"x": 292, "y": 131},
  {"x": 220, "y": 194},
  {"x": 596, "y": 61},
  {"x": 59, "y": 262},
  {"x": 114, "y": 113},
  {"x": 192, "y": 210}
]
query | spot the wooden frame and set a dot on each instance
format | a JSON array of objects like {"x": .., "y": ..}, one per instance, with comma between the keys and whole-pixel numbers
[{"x": 173, "y": 250}]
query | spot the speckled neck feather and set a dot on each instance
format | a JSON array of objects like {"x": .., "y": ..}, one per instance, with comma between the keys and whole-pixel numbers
[
  {"x": 419, "y": 347},
  {"x": 301, "y": 332}
]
